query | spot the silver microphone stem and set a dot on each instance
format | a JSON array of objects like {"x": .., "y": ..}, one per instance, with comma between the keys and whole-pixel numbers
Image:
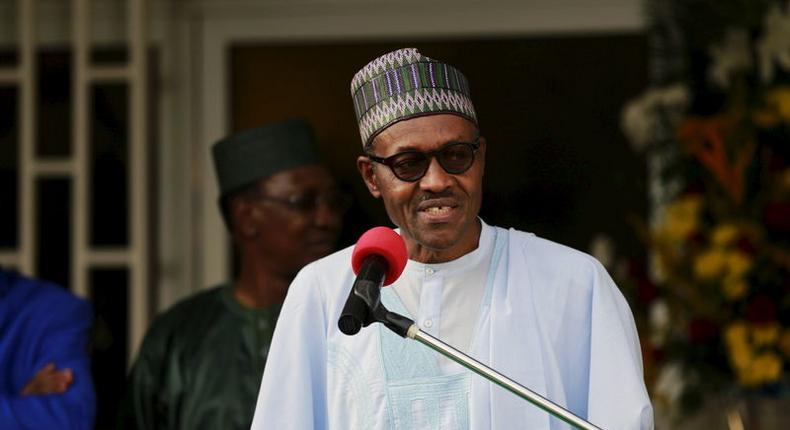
[{"x": 503, "y": 381}]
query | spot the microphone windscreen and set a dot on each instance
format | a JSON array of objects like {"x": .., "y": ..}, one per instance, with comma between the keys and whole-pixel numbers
[{"x": 385, "y": 242}]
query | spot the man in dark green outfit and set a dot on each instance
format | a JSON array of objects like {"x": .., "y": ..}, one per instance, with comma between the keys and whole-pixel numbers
[{"x": 201, "y": 362}]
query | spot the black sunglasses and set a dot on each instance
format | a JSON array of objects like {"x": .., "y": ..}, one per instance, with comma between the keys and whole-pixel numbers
[{"x": 410, "y": 166}]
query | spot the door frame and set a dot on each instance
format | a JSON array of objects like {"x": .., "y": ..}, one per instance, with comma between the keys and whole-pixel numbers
[{"x": 220, "y": 26}]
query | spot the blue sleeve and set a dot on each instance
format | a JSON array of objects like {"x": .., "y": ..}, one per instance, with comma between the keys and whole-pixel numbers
[{"x": 65, "y": 327}]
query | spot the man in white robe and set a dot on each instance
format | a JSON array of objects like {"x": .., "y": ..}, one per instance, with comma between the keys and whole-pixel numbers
[{"x": 545, "y": 315}]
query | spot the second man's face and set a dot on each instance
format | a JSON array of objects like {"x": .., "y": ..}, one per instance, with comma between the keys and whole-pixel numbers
[
  {"x": 304, "y": 210},
  {"x": 437, "y": 214}
]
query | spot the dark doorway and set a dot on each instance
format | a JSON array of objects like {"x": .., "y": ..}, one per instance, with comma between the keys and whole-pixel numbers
[{"x": 557, "y": 164}]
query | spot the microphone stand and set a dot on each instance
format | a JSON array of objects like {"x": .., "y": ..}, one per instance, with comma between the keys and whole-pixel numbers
[
  {"x": 503, "y": 381},
  {"x": 369, "y": 293}
]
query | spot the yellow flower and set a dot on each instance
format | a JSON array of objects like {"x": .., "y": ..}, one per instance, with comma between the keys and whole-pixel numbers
[
  {"x": 682, "y": 217},
  {"x": 738, "y": 263},
  {"x": 745, "y": 370},
  {"x": 736, "y": 333},
  {"x": 784, "y": 343},
  {"x": 752, "y": 368},
  {"x": 710, "y": 264},
  {"x": 765, "y": 334},
  {"x": 767, "y": 366},
  {"x": 779, "y": 99},
  {"x": 747, "y": 377},
  {"x": 741, "y": 355},
  {"x": 765, "y": 118},
  {"x": 784, "y": 178},
  {"x": 734, "y": 288},
  {"x": 724, "y": 234},
  {"x": 776, "y": 109},
  {"x": 736, "y": 339}
]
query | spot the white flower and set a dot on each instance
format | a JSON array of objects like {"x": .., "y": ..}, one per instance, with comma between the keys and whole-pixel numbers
[
  {"x": 659, "y": 317},
  {"x": 668, "y": 389},
  {"x": 674, "y": 100},
  {"x": 637, "y": 123},
  {"x": 602, "y": 248},
  {"x": 730, "y": 57},
  {"x": 676, "y": 94},
  {"x": 775, "y": 43},
  {"x": 655, "y": 110},
  {"x": 669, "y": 383}
]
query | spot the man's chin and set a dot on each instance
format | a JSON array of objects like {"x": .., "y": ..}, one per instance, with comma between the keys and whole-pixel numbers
[
  {"x": 439, "y": 237},
  {"x": 438, "y": 240}
]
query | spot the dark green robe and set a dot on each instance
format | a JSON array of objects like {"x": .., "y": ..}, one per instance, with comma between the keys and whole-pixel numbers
[{"x": 200, "y": 365}]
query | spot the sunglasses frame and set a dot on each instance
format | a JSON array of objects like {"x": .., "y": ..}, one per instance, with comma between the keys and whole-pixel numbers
[
  {"x": 337, "y": 200},
  {"x": 429, "y": 155}
]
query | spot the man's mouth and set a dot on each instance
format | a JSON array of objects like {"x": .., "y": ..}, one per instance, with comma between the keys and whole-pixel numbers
[{"x": 437, "y": 210}]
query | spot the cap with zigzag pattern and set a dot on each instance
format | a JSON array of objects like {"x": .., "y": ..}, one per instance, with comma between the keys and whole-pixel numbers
[{"x": 404, "y": 84}]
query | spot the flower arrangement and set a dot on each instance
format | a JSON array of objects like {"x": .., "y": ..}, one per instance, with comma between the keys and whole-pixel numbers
[{"x": 714, "y": 307}]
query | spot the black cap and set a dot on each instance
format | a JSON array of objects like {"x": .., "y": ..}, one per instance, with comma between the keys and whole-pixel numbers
[{"x": 261, "y": 152}]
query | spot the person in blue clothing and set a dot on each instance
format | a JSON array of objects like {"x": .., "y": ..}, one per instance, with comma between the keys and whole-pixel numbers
[{"x": 45, "y": 379}]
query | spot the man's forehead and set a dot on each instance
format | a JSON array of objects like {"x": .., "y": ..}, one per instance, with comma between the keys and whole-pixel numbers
[{"x": 425, "y": 131}]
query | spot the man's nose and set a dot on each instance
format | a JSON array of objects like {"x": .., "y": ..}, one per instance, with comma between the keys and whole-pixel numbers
[{"x": 435, "y": 178}]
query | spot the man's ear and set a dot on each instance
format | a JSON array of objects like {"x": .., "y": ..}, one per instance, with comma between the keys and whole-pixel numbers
[
  {"x": 368, "y": 173},
  {"x": 481, "y": 152}
]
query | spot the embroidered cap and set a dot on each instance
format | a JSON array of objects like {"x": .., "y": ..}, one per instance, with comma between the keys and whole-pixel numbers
[{"x": 404, "y": 84}]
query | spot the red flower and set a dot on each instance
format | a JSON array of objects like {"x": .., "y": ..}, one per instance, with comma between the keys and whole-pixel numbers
[
  {"x": 636, "y": 269},
  {"x": 777, "y": 216},
  {"x": 702, "y": 330},
  {"x": 746, "y": 245},
  {"x": 786, "y": 286},
  {"x": 761, "y": 310},
  {"x": 646, "y": 291},
  {"x": 694, "y": 189},
  {"x": 698, "y": 239},
  {"x": 658, "y": 355},
  {"x": 776, "y": 163},
  {"x": 705, "y": 137}
]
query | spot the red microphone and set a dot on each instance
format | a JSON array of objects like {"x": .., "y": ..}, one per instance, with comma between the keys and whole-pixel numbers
[
  {"x": 378, "y": 260},
  {"x": 384, "y": 242}
]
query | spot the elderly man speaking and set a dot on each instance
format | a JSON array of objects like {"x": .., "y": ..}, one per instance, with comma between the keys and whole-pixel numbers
[{"x": 543, "y": 314}]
